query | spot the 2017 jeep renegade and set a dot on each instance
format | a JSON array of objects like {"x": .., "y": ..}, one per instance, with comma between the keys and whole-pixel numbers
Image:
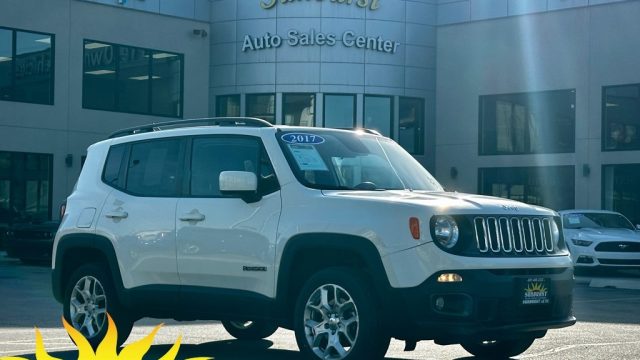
[{"x": 339, "y": 235}]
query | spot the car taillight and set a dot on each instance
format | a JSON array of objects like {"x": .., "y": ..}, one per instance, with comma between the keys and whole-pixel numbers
[{"x": 63, "y": 209}]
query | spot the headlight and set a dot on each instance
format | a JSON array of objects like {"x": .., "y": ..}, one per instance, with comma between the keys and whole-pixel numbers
[
  {"x": 446, "y": 231},
  {"x": 579, "y": 242}
]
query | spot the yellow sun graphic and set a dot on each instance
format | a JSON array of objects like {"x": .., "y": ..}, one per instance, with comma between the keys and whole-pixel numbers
[
  {"x": 536, "y": 287},
  {"x": 107, "y": 349}
]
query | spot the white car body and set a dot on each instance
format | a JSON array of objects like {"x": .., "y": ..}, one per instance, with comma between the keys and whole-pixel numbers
[
  {"x": 598, "y": 246},
  {"x": 502, "y": 267}
]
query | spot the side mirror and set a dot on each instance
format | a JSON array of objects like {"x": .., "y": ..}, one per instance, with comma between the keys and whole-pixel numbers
[
  {"x": 241, "y": 183},
  {"x": 638, "y": 227}
]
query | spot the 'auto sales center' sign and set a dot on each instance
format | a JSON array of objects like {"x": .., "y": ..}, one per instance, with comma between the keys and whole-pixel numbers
[{"x": 312, "y": 37}]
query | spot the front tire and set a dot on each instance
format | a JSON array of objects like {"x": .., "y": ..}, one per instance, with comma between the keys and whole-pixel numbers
[
  {"x": 249, "y": 330},
  {"x": 89, "y": 296},
  {"x": 336, "y": 318},
  {"x": 498, "y": 349}
]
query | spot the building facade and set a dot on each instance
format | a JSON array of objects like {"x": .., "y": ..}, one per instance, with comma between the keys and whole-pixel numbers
[{"x": 535, "y": 100}]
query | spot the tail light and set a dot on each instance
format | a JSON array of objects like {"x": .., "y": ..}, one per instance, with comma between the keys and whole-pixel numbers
[{"x": 63, "y": 209}]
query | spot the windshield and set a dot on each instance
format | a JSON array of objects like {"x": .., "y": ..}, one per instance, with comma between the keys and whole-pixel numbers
[
  {"x": 597, "y": 221},
  {"x": 333, "y": 159}
]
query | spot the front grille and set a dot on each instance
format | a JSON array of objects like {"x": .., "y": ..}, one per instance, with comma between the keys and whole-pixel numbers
[
  {"x": 515, "y": 235},
  {"x": 619, "y": 262},
  {"x": 619, "y": 246}
]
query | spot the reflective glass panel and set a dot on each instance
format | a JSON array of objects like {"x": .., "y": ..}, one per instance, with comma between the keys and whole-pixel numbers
[
  {"x": 100, "y": 77},
  {"x": 411, "y": 133},
  {"x": 262, "y": 106},
  {"x": 166, "y": 90},
  {"x": 552, "y": 186},
  {"x": 299, "y": 109},
  {"x": 340, "y": 111},
  {"x": 6, "y": 64},
  {"x": 33, "y": 68},
  {"x": 378, "y": 114},
  {"x": 621, "y": 123},
  {"x": 228, "y": 106},
  {"x": 620, "y": 190},
  {"x": 528, "y": 123},
  {"x": 133, "y": 80}
]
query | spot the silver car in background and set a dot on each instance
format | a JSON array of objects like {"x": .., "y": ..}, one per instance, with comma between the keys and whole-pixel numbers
[{"x": 601, "y": 239}]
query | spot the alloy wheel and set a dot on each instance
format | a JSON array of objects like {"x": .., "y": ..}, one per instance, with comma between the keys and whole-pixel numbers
[{"x": 331, "y": 322}]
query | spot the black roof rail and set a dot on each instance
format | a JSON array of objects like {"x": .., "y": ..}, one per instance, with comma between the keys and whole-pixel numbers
[{"x": 175, "y": 124}]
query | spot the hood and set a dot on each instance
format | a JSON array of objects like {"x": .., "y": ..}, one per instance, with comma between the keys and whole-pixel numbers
[
  {"x": 447, "y": 202},
  {"x": 603, "y": 234}
]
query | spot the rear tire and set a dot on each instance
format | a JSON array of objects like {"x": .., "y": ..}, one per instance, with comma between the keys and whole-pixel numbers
[
  {"x": 336, "y": 317},
  {"x": 250, "y": 330},
  {"x": 89, "y": 296},
  {"x": 498, "y": 349}
]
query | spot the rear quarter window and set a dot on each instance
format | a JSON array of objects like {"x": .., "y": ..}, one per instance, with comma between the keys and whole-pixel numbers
[{"x": 113, "y": 173}]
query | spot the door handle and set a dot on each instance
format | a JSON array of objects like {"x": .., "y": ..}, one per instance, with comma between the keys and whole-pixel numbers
[
  {"x": 117, "y": 214},
  {"x": 192, "y": 216}
]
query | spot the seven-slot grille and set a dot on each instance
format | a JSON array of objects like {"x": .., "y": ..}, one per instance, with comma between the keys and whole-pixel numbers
[{"x": 515, "y": 235}]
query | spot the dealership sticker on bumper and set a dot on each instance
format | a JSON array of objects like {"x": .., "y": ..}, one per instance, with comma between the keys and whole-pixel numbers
[{"x": 535, "y": 291}]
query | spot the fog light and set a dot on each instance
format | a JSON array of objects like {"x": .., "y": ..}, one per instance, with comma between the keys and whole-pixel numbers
[
  {"x": 449, "y": 278},
  {"x": 440, "y": 303},
  {"x": 582, "y": 259}
]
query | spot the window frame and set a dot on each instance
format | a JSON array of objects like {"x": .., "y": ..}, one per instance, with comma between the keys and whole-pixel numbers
[
  {"x": 149, "y": 85},
  {"x": 124, "y": 167},
  {"x": 275, "y": 105},
  {"x": 315, "y": 106},
  {"x": 603, "y": 121},
  {"x": 14, "y": 37},
  {"x": 324, "y": 109},
  {"x": 480, "y": 184},
  {"x": 481, "y": 126},
  {"x": 419, "y": 137},
  {"x": 186, "y": 189},
  {"x": 391, "y": 114},
  {"x": 218, "y": 97},
  {"x": 603, "y": 187}
]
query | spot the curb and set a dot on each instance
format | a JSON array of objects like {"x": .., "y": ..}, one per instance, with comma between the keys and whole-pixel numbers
[{"x": 618, "y": 283}]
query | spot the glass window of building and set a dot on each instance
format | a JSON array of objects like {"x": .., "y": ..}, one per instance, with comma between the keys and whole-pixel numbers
[
  {"x": 166, "y": 83},
  {"x": 262, "y": 106},
  {"x": 552, "y": 186},
  {"x": 131, "y": 79},
  {"x": 378, "y": 114},
  {"x": 299, "y": 109},
  {"x": 620, "y": 190},
  {"x": 411, "y": 127},
  {"x": 528, "y": 123},
  {"x": 340, "y": 111},
  {"x": 228, "y": 105},
  {"x": 621, "y": 123},
  {"x": 25, "y": 187},
  {"x": 26, "y": 66}
]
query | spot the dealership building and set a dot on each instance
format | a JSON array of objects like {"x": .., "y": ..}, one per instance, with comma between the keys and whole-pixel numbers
[{"x": 534, "y": 100}]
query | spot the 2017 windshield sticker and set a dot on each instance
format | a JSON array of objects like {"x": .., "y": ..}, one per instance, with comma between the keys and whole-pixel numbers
[
  {"x": 302, "y": 138},
  {"x": 307, "y": 157}
]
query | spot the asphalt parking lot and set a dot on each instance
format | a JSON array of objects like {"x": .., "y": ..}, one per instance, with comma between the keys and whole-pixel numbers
[{"x": 608, "y": 327}]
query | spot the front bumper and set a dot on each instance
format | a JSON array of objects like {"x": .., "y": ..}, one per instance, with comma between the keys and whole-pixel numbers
[
  {"x": 487, "y": 304},
  {"x": 589, "y": 258}
]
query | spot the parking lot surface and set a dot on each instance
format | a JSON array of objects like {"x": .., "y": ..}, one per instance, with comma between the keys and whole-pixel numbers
[{"x": 608, "y": 327}]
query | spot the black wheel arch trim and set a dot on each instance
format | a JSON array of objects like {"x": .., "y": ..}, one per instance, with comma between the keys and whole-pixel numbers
[
  {"x": 361, "y": 246},
  {"x": 91, "y": 242}
]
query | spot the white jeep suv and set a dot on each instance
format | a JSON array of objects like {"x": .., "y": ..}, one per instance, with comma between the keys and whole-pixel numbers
[{"x": 339, "y": 235}]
